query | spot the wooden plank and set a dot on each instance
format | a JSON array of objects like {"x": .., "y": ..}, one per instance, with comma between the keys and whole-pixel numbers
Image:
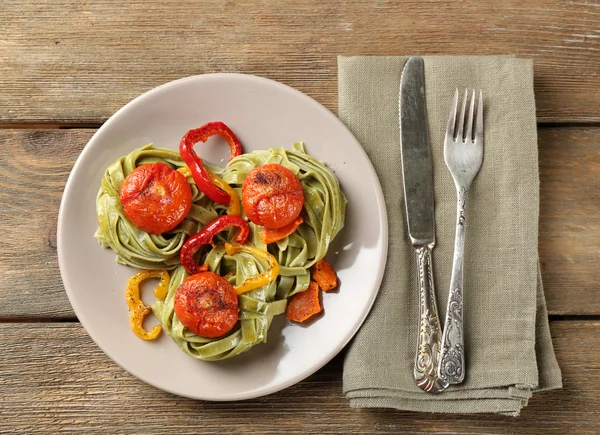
[
  {"x": 54, "y": 379},
  {"x": 79, "y": 61},
  {"x": 35, "y": 168},
  {"x": 569, "y": 242},
  {"x": 37, "y": 163}
]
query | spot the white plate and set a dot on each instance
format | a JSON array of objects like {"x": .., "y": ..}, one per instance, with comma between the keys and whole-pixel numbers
[{"x": 263, "y": 114}]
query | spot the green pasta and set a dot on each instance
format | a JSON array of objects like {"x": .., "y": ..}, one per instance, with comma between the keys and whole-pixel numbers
[
  {"x": 324, "y": 212},
  {"x": 324, "y": 203},
  {"x": 257, "y": 309},
  {"x": 133, "y": 246}
]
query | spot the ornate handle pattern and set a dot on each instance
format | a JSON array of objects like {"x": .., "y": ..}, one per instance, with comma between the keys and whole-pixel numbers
[
  {"x": 452, "y": 359},
  {"x": 430, "y": 335}
]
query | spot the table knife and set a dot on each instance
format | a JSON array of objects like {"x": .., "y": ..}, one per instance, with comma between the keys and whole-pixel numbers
[{"x": 417, "y": 171}]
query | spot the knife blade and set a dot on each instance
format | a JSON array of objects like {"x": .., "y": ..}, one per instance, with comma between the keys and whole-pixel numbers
[{"x": 417, "y": 173}]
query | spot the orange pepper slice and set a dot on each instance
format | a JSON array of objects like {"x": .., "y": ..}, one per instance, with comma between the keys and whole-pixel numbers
[
  {"x": 324, "y": 275},
  {"x": 304, "y": 305},
  {"x": 268, "y": 235}
]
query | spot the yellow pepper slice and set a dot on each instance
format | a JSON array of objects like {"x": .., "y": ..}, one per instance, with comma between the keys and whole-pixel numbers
[
  {"x": 261, "y": 279},
  {"x": 185, "y": 171},
  {"x": 137, "y": 310},
  {"x": 234, "y": 207}
]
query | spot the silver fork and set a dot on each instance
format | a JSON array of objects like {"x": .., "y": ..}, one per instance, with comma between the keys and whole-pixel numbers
[{"x": 463, "y": 155}]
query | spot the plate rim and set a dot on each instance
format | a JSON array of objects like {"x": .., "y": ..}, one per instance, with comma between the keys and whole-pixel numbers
[{"x": 303, "y": 374}]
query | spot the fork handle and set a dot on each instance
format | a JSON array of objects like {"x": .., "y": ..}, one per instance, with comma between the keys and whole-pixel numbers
[
  {"x": 430, "y": 335},
  {"x": 452, "y": 357}
]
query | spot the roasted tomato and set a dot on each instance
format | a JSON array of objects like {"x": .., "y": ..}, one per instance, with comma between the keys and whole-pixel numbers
[
  {"x": 156, "y": 198},
  {"x": 272, "y": 196},
  {"x": 207, "y": 305}
]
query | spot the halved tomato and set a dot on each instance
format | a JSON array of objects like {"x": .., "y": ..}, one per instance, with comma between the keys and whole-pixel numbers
[
  {"x": 207, "y": 305},
  {"x": 155, "y": 198},
  {"x": 272, "y": 196}
]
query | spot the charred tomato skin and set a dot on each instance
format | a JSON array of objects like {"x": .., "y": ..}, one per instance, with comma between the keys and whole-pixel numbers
[
  {"x": 155, "y": 198},
  {"x": 272, "y": 196},
  {"x": 207, "y": 305}
]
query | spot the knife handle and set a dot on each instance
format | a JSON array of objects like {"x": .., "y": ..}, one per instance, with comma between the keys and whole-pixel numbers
[{"x": 430, "y": 335}]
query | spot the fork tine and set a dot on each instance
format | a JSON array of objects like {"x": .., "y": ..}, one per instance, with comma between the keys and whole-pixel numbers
[
  {"x": 469, "y": 135},
  {"x": 461, "y": 120},
  {"x": 479, "y": 123},
  {"x": 452, "y": 120}
]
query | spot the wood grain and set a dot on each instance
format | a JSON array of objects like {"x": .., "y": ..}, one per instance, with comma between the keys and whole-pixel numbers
[
  {"x": 36, "y": 165},
  {"x": 54, "y": 379},
  {"x": 569, "y": 231},
  {"x": 79, "y": 61}
]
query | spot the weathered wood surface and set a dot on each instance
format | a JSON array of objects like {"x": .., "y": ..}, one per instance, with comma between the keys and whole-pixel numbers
[
  {"x": 569, "y": 231},
  {"x": 54, "y": 379},
  {"x": 36, "y": 165},
  {"x": 74, "y": 63},
  {"x": 79, "y": 61}
]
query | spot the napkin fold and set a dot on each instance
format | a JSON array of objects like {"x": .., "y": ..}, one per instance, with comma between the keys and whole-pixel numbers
[{"x": 509, "y": 353}]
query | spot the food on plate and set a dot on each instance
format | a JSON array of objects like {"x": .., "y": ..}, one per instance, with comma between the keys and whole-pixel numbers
[
  {"x": 206, "y": 304},
  {"x": 234, "y": 207},
  {"x": 155, "y": 198},
  {"x": 195, "y": 163},
  {"x": 135, "y": 247},
  {"x": 272, "y": 196},
  {"x": 268, "y": 235},
  {"x": 206, "y": 236},
  {"x": 324, "y": 275},
  {"x": 138, "y": 311},
  {"x": 263, "y": 278},
  {"x": 304, "y": 305},
  {"x": 324, "y": 203},
  {"x": 232, "y": 268}
]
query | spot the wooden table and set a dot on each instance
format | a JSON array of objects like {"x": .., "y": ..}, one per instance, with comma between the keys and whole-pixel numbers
[{"x": 66, "y": 66}]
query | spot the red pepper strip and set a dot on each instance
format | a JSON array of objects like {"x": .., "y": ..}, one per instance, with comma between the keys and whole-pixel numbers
[
  {"x": 200, "y": 175},
  {"x": 205, "y": 237}
]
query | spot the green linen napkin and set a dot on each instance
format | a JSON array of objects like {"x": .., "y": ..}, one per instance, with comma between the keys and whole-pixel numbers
[{"x": 509, "y": 353}]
